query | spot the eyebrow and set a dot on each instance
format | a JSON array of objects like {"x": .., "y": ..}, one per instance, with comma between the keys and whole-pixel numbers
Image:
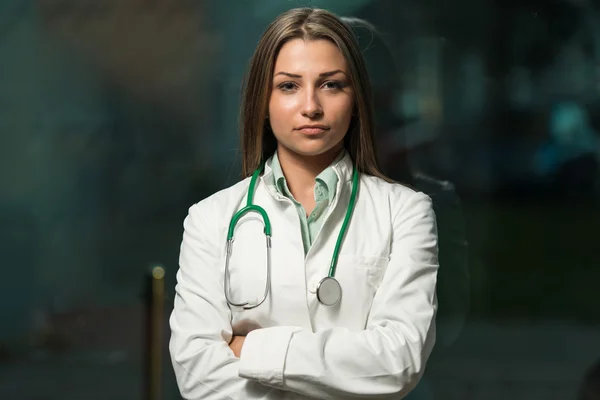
[{"x": 321, "y": 75}]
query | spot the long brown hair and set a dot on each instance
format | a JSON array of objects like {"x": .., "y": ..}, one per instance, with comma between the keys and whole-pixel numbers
[{"x": 257, "y": 141}]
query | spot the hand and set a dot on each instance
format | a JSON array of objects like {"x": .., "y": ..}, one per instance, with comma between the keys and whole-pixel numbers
[{"x": 236, "y": 345}]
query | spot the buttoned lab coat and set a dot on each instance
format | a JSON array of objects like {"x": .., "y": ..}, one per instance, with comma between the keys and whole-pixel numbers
[{"x": 375, "y": 342}]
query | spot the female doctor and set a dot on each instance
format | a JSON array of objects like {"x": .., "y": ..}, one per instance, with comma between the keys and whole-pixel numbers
[{"x": 314, "y": 277}]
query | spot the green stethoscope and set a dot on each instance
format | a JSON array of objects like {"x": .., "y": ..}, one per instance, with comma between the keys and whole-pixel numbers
[{"x": 329, "y": 290}]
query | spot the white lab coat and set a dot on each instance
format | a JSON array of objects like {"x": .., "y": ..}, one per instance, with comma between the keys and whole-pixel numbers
[{"x": 373, "y": 344}]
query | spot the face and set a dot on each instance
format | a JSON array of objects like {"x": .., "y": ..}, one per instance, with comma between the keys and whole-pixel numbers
[{"x": 311, "y": 102}]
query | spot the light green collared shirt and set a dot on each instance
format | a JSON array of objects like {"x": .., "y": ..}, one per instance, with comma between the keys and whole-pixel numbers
[{"x": 325, "y": 190}]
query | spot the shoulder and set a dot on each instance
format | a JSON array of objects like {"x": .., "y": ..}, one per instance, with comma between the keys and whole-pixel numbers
[
  {"x": 441, "y": 191},
  {"x": 221, "y": 201},
  {"x": 429, "y": 184},
  {"x": 398, "y": 197}
]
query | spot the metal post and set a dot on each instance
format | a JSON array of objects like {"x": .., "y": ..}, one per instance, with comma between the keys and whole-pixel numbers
[{"x": 155, "y": 312}]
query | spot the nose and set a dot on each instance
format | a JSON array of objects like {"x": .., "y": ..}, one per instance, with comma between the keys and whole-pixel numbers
[{"x": 312, "y": 106}]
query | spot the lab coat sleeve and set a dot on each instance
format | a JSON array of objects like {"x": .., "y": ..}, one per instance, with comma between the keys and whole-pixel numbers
[
  {"x": 389, "y": 356},
  {"x": 205, "y": 367}
]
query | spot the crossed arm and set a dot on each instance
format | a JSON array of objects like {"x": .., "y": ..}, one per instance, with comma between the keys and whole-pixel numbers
[{"x": 387, "y": 358}]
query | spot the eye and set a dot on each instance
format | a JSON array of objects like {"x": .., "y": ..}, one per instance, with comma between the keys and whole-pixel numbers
[
  {"x": 287, "y": 86},
  {"x": 333, "y": 85}
]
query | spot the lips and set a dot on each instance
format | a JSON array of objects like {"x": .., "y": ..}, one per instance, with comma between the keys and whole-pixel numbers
[{"x": 312, "y": 129}]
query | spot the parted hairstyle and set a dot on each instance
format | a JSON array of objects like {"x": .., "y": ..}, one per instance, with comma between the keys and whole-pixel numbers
[{"x": 257, "y": 140}]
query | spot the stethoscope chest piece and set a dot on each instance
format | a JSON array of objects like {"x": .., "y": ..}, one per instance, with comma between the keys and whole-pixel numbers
[{"x": 329, "y": 291}]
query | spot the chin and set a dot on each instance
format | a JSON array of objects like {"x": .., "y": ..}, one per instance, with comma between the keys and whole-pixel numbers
[
  {"x": 313, "y": 151},
  {"x": 314, "y": 147}
]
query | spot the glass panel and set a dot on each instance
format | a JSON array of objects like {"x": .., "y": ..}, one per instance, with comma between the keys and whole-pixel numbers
[{"x": 117, "y": 116}]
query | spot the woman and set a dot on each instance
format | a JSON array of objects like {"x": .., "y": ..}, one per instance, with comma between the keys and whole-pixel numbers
[
  {"x": 343, "y": 303},
  {"x": 453, "y": 287}
]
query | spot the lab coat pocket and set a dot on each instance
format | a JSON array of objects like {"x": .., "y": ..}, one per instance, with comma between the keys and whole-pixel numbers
[
  {"x": 360, "y": 277},
  {"x": 371, "y": 268},
  {"x": 376, "y": 269}
]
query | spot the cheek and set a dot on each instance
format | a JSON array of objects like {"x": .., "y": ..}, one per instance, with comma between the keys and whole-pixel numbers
[
  {"x": 343, "y": 112},
  {"x": 280, "y": 111}
]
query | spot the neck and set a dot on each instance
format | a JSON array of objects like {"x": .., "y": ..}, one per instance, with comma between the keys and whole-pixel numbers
[{"x": 300, "y": 171}]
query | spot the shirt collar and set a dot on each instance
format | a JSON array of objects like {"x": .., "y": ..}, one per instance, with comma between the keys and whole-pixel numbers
[{"x": 339, "y": 170}]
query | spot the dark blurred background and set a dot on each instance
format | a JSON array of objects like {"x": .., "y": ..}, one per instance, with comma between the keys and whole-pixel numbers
[{"x": 117, "y": 115}]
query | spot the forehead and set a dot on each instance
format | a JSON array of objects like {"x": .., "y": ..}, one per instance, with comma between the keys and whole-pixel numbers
[{"x": 309, "y": 56}]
